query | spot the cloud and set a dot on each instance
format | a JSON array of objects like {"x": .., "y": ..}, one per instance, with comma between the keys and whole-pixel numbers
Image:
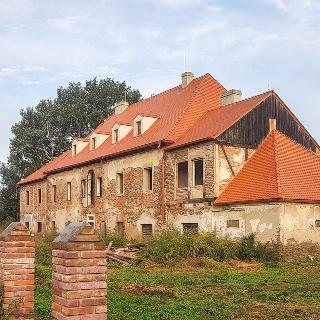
[
  {"x": 278, "y": 3},
  {"x": 64, "y": 23}
]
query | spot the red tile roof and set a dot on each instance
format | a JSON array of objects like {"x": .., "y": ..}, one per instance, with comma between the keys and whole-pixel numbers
[
  {"x": 280, "y": 170},
  {"x": 177, "y": 110}
]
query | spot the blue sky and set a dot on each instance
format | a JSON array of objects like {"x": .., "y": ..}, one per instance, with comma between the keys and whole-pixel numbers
[{"x": 252, "y": 45}]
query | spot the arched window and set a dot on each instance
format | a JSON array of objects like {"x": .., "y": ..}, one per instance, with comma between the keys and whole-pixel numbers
[{"x": 90, "y": 188}]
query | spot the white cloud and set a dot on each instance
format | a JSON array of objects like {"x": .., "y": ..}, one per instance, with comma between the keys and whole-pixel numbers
[
  {"x": 280, "y": 4},
  {"x": 64, "y": 23}
]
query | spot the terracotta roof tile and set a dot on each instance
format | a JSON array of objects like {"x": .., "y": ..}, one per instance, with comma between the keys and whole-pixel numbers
[{"x": 280, "y": 170}]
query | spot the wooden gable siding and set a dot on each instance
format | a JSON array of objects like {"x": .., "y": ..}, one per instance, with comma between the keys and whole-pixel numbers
[{"x": 251, "y": 130}]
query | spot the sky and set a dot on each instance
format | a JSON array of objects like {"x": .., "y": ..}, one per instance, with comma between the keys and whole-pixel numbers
[{"x": 251, "y": 45}]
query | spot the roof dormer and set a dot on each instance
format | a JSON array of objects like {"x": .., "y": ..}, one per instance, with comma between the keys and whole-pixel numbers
[
  {"x": 119, "y": 131},
  {"x": 96, "y": 140},
  {"x": 78, "y": 144},
  {"x": 142, "y": 124}
]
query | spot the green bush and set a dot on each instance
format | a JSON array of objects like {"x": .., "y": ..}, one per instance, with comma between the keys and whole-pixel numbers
[
  {"x": 172, "y": 246},
  {"x": 117, "y": 240},
  {"x": 44, "y": 249}
]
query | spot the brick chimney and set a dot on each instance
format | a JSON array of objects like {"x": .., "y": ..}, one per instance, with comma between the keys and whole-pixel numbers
[
  {"x": 187, "y": 77},
  {"x": 231, "y": 96},
  {"x": 120, "y": 106}
]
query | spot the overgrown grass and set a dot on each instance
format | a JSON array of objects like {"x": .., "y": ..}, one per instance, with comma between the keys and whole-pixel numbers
[
  {"x": 171, "y": 247},
  {"x": 117, "y": 240}
]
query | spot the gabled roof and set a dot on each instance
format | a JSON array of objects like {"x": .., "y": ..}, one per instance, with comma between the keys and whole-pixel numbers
[
  {"x": 176, "y": 111},
  {"x": 280, "y": 170},
  {"x": 215, "y": 122}
]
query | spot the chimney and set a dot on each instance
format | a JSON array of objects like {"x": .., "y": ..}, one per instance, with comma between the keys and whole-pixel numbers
[
  {"x": 120, "y": 106},
  {"x": 187, "y": 77},
  {"x": 231, "y": 96}
]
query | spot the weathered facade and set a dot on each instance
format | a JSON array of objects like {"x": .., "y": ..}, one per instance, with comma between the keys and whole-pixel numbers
[{"x": 164, "y": 162}]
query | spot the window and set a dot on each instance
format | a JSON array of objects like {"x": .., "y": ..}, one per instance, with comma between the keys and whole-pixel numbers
[
  {"x": 198, "y": 172},
  {"x": 54, "y": 193},
  {"x": 27, "y": 197},
  {"x": 233, "y": 224},
  {"x": 83, "y": 188},
  {"x": 148, "y": 179},
  {"x": 146, "y": 230},
  {"x": 90, "y": 187},
  {"x": 182, "y": 174},
  {"x": 138, "y": 127},
  {"x": 93, "y": 143},
  {"x": 317, "y": 223},
  {"x": 74, "y": 149},
  {"x": 120, "y": 187},
  {"x": 99, "y": 186},
  {"x": 120, "y": 229},
  {"x": 53, "y": 225},
  {"x": 91, "y": 220},
  {"x": 39, "y": 196},
  {"x": 190, "y": 227},
  {"x": 116, "y": 135},
  {"x": 69, "y": 191},
  {"x": 27, "y": 224},
  {"x": 39, "y": 226}
]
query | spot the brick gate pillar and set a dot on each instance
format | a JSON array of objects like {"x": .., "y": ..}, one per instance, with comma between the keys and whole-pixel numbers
[
  {"x": 79, "y": 274},
  {"x": 17, "y": 276}
]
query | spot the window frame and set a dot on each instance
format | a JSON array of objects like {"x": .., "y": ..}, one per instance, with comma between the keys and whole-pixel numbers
[
  {"x": 89, "y": 220},
  {"x": 54, "y": 193},
  {"x": 69, "y": 191},
  {"x": 143, "y": 232},
  {"x": 28, "y": 197},
  {"x": 120, "y": 183},
  {"x": 178, "y": 175},
  {"x": 233, "y": 223},
  {"x": 148, "y": 179},
  {"x": 194, "y": 176},
  {"x": 39, "y": 195},
  {"x": 138, "y": 124},
  {"x": 192, "y": 227},
  {"x": 39, "y": 224},
  {"x": 83, "y": 188},
  {"x": 99, "y": 186}
]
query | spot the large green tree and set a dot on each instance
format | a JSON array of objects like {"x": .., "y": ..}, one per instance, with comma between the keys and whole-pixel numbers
[{"x": 47, "y": 129}]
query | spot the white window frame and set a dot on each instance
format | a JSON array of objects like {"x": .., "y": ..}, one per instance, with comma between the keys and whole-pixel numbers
[{"x": 91, "y": 219}]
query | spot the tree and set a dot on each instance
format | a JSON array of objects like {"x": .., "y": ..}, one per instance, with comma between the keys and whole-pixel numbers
[{"x": 46, "y": 130}]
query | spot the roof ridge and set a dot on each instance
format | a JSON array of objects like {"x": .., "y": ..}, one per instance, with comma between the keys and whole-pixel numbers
[{"x": 187, "y": 107}]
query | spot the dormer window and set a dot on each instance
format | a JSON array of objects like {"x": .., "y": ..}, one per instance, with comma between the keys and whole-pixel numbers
[
  {"x": 119, "y": 131},
  {"x": 78, "y": 145},
  {"x": 97, "y": 139},
  {"x": 93, "y": 143},
  {"x": 116, "y": 135},
  {"x": 142, "y": 124}
]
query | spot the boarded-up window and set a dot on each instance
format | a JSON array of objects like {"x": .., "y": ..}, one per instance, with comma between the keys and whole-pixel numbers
[
  {"x": 182, "y": 174},
  {"x": 68, "y": 191},
  {"x": 146, "y": 230},
  {"x": 27, "y": 197},
  {"x": 120, "y": 229},
  {"x": 91, "y": 220},
  {"x": 317, "y": 223},
  {"x": 190, "y": 227},
  {"x": 233, "y": 224},
  {"x": 83, "y": 188},
  {"x": 39, "y": 195},
  {"x": 148, "y": 179},
  {"x": 99, "y": 187},
  {"x": 198, "y": 172},
  {"x": 39, "y": 226},
  {"x": 120, "y": 187},
  {"x": 54, "y": 193}
]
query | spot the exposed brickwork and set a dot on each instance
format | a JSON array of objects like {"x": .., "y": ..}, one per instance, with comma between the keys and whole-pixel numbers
[
  {"x": 79, "y": 275},
  {"x": 17, "y": 260}
]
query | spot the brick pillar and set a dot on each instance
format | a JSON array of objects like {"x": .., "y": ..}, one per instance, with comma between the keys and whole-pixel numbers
[
  {"x": 17, "y": 261},
  {"x": 79, "y": 274}
]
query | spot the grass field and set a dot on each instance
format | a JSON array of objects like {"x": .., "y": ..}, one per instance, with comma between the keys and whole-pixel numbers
[{"x": 223, "y": 291}]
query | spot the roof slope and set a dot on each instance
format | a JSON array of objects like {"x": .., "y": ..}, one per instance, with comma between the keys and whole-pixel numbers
[
  {"x": 280, "y": 170},
  {"x": 176, "y": 111},
  {"x": 215, "y": 122}
]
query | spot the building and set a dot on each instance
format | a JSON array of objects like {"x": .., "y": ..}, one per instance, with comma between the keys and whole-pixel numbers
[{"x": 178, "y": 158}]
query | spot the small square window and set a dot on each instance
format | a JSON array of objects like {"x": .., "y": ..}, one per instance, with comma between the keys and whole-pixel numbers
[
  {"x": 69, "y": 191},
  {"x": 182, "y": 174},
  {"x": 148, "y": 179},
  {"x": 233, "y": 224},
  {"x": 146, "y": 230},
  {"x": 39, "y": 226},
  {"x": 99, "y": 186},
  {"x": 120, "y": 184},
  {"x": 190, "y": 227}
]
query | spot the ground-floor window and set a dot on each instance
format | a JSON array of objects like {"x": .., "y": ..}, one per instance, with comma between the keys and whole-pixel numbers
[
  {"x": 146, "y": 230},
  {"x": 27, "y": 224},
  {"x": 120, "y": 229},
  {"x": 233, "y": 224},
  {"x": 91, "y": 220},
  {"x": 39, "y": 226},
  {"x": 190, "y": 227}
]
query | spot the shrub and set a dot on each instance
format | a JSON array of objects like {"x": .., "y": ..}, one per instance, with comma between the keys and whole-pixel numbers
[
  {"x": 172, "y": 246},
  {"x": 44, "y": 249},
  {"x": 117, "y": 240},
  {"x": 13, "y": 306}
]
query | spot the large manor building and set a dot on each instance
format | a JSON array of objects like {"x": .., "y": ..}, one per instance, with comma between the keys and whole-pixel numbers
[{"x": 197, "y": 157}]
